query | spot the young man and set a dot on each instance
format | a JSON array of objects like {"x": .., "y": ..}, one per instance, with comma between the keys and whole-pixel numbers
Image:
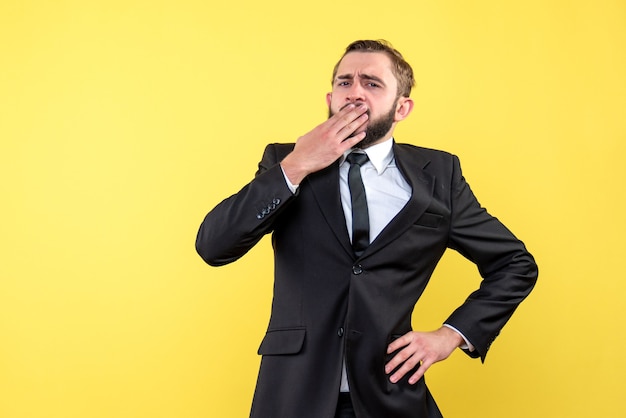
[{"x": 356, "y": 239}]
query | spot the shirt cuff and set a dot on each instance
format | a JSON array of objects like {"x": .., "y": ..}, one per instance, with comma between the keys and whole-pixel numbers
[
  {"x": 292, "y": 187},
  {"x": 467, "y": 346}
]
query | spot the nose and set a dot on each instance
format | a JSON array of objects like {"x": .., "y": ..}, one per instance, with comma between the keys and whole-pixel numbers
[{"x": 355, "y": 94}]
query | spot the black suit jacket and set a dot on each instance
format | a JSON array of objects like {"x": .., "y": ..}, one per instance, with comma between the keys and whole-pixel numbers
[{"x": 329, "y": 305}]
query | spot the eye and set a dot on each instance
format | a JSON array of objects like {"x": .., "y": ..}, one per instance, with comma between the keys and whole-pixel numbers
[
  {"x": 372, "y": 84},
  {"x": 343, "y": 83}
]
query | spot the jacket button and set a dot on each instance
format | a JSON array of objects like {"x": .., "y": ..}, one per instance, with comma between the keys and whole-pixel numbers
[
  {"x": 358, "y": 269},
  {"x": 276, "y": 201},
  {"x": 340, "y": 332}
]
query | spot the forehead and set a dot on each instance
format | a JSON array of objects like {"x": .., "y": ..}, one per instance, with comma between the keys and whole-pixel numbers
[{"x": 372, "y": 63}]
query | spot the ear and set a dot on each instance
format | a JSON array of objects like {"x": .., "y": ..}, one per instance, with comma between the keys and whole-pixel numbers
[
  {"x": 329, "y": 96},
  {"x": 403, "y": 108}
]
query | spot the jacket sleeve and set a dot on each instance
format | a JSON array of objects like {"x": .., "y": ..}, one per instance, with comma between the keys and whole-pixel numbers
[
  {"x": 508, "y": 270},
  {"x": 236, "y": 224}
]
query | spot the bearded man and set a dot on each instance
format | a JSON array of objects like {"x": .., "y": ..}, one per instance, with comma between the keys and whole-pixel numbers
[{"x": 359, "y": 223}]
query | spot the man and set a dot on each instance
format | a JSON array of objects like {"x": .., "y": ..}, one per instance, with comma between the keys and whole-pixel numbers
[{"x": 355, "y": 244}]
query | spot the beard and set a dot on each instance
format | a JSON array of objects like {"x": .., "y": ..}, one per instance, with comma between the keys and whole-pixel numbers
[{"x": 377, "y": 128}]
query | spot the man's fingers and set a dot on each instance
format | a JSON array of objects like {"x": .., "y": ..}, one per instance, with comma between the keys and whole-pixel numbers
[
  {"x": 420, "y": 372},
  {"x": 398, "y": 343},
  {"x": 349, "y": 119},
  {"x": 407, "y": 363},
  {"x": 349, "y": 128},
  {"x": 414, "y": 353},
  {"x": 410, "y": 364},
  {"x": 326, "y": 142}
]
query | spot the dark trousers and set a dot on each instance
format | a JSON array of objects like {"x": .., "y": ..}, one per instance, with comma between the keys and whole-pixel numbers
[{"x": 344, "y": 406}]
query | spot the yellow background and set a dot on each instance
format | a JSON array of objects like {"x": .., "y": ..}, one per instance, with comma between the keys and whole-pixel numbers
[{"x": 123, "y": 122}]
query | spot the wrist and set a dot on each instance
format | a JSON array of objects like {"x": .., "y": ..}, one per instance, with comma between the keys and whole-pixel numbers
[
  {"x": 293, "y": 171},
  {"x": 452, "y": 335}
]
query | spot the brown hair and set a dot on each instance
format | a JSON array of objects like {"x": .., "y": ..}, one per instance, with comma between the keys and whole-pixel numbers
[{"x": 399, "y": 67}]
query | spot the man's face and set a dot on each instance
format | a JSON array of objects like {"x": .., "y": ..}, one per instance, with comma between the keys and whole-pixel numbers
[{"x": 365, "y": 78}]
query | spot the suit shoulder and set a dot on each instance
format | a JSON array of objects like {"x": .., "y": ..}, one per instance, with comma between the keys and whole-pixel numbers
[
  {"x": 427, "y": 155},
  {"x": 431, "y": 152},
  {"x": 279, "y": 150},
  {"x": 274, "y": 154}
]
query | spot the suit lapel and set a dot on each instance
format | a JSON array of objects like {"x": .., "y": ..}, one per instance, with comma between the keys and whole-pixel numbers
[
  {"x": 325, "y": 187},
  {"x": 411, "y": 165}
]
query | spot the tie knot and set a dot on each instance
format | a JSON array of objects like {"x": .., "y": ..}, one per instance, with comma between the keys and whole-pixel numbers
[{"x": 357, "y": 158}]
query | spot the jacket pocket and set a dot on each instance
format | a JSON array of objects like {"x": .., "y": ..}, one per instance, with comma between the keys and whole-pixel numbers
[
  {"x": 282, "y": 341},
  {"x": 429, "y": 220}
]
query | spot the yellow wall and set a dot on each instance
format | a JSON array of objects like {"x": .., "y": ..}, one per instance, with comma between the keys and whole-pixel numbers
[{"x": 122, "y": 122}]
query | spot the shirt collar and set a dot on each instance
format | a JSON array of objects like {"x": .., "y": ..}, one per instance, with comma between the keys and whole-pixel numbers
[{"x": 380, "y": 155}]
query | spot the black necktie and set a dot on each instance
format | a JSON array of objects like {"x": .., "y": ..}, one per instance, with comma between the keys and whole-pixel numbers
[{"x": 360, "y": 215}]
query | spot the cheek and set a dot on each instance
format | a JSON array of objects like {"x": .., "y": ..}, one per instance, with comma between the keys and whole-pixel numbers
[{"x": 336, "y": 101}]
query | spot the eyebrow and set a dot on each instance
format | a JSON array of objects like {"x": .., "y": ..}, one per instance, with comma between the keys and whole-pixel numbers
[{"x": 365, "y": 76}]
